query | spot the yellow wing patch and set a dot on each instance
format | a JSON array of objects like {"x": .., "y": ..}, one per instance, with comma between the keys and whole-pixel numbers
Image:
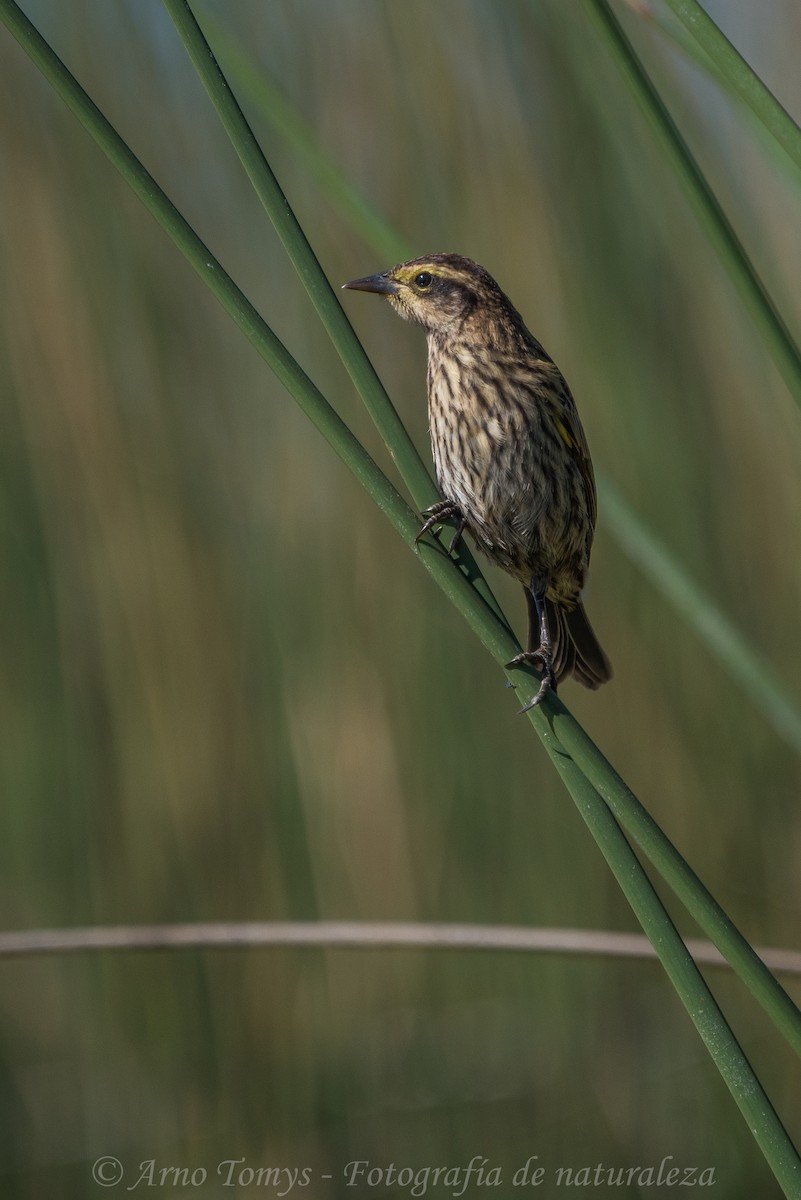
[{"x": 565, "y": 435}]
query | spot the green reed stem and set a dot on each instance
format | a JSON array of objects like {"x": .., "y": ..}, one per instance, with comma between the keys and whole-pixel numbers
[
  {"x": 734, "y": 71},
  {"x": 714, "y": 221},
  {"x": 706, "y": 1015}
]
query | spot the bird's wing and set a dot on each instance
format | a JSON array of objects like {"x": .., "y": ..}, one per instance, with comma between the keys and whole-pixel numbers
[
  {"x": 546, "y": 383},
  {"x": 572, "y": 432}
]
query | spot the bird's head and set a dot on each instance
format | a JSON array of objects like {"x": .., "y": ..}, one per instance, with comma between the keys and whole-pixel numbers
[{"x": 442, "y": 292}]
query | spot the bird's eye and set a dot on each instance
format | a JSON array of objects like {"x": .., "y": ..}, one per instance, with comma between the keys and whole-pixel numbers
[{"x": 423, "y": 280}]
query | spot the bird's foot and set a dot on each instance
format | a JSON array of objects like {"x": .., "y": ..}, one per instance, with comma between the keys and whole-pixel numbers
[
  {"x": 542, "y": 659},
  {"x": 437, "y": 514}
]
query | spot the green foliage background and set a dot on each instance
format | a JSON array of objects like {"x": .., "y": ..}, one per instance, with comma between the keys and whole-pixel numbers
[{"x": 229, "y": 692}]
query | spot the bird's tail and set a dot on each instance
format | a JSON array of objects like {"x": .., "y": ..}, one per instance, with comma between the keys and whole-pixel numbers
[{"x": 575, "y": 648}]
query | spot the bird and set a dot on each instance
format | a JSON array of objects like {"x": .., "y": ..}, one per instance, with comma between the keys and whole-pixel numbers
[{"x": 511, "y": 458}]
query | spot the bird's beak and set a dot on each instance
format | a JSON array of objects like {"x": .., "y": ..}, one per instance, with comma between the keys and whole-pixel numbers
[{"x": 374, "y": 283}]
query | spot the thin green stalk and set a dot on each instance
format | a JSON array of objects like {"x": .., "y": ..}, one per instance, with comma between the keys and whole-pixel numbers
[
  {"x": 735, "y": 71},
  {"x": 637, "y": 541},
  {"x": 692, "y": 49},
  {"x": 716, "y": 224},
  {"x": 302, "y": 255},
  {"x": 703, "y": 906},
  {"x": 785, "y": 157},
  {"x": 695, "y": 995},
  {"x": 332, "y": 182},
  {"x": 712, "y": 625}
]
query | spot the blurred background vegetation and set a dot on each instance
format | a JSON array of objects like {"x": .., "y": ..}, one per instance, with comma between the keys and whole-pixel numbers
[{"x": 229, "y": 692}]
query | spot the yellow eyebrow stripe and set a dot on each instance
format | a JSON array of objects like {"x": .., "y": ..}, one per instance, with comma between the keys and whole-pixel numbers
[{"x": 443, "y": 272}]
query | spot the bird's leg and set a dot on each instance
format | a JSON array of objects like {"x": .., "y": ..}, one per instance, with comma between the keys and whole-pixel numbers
[
  {"x": 538, "y": 648},
  {"x": 461, "y": 523},
  {"x": 440, "y": 512}
]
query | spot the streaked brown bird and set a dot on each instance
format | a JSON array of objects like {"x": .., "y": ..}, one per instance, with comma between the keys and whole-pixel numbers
[{"x": 511, "y": 457}]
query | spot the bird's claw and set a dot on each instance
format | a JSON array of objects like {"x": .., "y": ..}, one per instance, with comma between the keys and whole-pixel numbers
[
  {"x": 542, "y": 659},
  {"x": 436, "y": 515}
]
